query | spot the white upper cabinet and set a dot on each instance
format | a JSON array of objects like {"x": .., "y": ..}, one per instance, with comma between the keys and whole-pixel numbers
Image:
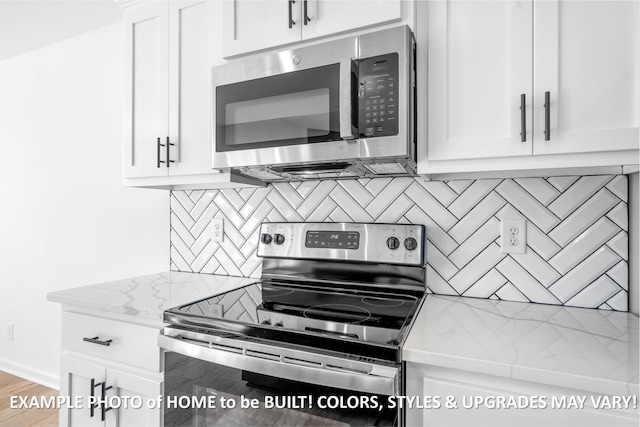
[
  {"x": 480, "y": 65},
  {"x": 586, "y": 57},
  {"x": 492, "y": 65},
  {"x": 252, "y": 25},
  {"x": 168, "y": 112},
  {"x": 189, "y": 87},
  {"x": 167, "y": 116},
  {"x": 147, "y": 81},
  {"x": 326, "y": 17}
]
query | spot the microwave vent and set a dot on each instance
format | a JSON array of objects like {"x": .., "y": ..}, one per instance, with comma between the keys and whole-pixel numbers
[
  {"x": 312, "y": 168},
  {"x": 261, "y": 174},
  {"x": 387, "y": 168}
]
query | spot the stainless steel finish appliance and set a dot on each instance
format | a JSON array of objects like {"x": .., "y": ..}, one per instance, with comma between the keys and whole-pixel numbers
[
  {"x": 337, "y": 109},
  {"x": 323, "y": 328}
]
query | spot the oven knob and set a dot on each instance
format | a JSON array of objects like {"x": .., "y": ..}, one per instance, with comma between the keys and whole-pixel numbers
[
  {"x": 393, "y": 243},
  {"x": 410, "y": 243},
  {"x": 279, "y": 238},
  {"x": 266, "y": 238},
  {"x": 278, "y": 324}
]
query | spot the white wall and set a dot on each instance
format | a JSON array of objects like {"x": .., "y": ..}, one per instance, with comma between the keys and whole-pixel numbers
[
  {"x": 32, "y": 24},
  {"x": 65, "y": 219}
]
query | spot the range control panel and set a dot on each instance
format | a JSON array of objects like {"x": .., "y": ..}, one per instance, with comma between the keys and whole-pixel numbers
[
  {"x": 376, "y": 243},
  {"x": 333, "y": 239}
]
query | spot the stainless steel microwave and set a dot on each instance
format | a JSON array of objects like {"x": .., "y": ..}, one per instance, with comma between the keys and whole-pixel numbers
[{"x": 338, "y": 109}]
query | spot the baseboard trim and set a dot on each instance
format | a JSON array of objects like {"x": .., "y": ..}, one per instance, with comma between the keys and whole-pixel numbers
[{"x": 28, "y": 373}]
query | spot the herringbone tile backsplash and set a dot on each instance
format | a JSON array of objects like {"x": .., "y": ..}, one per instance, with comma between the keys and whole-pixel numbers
[{"x": 577, "y": 231}]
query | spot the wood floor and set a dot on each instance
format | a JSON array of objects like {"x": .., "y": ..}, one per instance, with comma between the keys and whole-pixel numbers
[{"x": 14, "y": 386}]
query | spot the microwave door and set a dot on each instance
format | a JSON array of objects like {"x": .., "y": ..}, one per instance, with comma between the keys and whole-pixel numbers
[{"x": 281, "y": 118}]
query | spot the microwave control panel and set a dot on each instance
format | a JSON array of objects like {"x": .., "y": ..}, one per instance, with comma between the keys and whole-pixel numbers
[{"x": 378, "y": 96}]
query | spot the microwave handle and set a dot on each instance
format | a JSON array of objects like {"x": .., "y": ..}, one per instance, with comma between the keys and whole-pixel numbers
[{"x": 348, "y": 69}]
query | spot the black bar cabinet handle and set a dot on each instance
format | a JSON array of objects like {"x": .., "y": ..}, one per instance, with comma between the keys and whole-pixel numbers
[
  {"x": 159, "y": 145},
  {"x": 547, "y": 116},
  {"x": 306, "y": 16},
  {"x": 291, "y": 21},
  {"x": 103, "y": 406},
  {"x": 158, "y": 154},
  {"x": 523, "y": 118},
  {"x": 93, "y": 405},
  {"x": 168, "y": 145},
  {"x": 95, "y": 340}
]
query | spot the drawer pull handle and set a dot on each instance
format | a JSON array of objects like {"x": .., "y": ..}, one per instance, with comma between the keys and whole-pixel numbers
[{"x": 95, "y": 340}]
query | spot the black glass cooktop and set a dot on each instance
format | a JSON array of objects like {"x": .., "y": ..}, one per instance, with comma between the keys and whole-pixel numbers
[{"x": 345, "y": 314}]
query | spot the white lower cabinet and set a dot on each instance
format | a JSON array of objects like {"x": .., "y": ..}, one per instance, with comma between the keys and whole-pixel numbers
[
  {"x": 76, "y": 379},
  {"x": 118, "y": 384},
  {"x": 481, "y": 400}
]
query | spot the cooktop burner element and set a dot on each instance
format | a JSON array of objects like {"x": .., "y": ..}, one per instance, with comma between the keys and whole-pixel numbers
[
  {"x": 337, "y": 312},
  {"x": 382, "y": 302},
  {"x": 355, "y": 299}
]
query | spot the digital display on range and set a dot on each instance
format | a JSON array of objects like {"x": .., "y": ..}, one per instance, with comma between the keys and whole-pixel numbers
[{"x": 333, "y": 239}]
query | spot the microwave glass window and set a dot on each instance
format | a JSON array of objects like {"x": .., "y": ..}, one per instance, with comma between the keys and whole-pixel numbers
[
  {"x": 298, "y": 115},
  {"x": 298, "y": 107}
]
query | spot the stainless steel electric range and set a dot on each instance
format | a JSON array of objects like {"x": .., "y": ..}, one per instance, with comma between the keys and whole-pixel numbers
[{"x": 316, "y": 341}]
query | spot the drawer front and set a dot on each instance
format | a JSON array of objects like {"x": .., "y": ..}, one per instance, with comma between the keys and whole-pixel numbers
[{"x": 131, "y": 344}]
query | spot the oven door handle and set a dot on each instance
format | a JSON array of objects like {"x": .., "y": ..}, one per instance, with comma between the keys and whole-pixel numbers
[
  {"x": 348, "y": 97},
  {"x": 378, "y": 380}
]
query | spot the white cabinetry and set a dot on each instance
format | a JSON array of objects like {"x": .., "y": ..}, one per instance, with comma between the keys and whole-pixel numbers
[
  {"x": 586, "y": 55},
  {"x": 251, "y": 25},
  {"x": 475, "y": 393},
  {"x": 168, "y": 94},
  {"x": 479, "y": 64},
  {"x": 490, "y": 65},
  {"x": 147, "y": 82},
  {"x": 129, "y": 367}
]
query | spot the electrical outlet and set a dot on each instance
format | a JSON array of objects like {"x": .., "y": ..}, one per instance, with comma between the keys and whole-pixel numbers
[
  {"x": 217, "y": 229},
  {"x": 9, "y": 331},
  {"x": 513, "y": 236}
]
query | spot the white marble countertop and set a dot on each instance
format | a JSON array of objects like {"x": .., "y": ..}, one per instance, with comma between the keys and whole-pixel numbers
[
  {"x": 584, "y": 349},
  {"x": 146, "y": 297}
]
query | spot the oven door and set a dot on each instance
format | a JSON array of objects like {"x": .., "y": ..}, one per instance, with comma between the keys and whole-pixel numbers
[
  {"x": 211, "y": 380},
  {"x": 294, "y": 106}
]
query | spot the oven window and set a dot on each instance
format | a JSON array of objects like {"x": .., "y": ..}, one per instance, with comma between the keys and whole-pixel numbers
[
  {"x": 299, "y": 107},
  {"x": 281, "y": 402}
]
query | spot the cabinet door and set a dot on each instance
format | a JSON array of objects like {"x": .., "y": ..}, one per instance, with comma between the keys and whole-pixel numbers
[
  {"x": 479, "y": 65},
  {"x": 146, "y": 83},
  {"x": 250, "y": 25},
  {"x": 586, "y": 56},
  {"x": 478, "y": 395},
  {"x": 334, "y": 16},
  {"x": 134, "y": 387},
  {"x": 75, "y": 380},
  {"x": 190, "y": 87}
]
